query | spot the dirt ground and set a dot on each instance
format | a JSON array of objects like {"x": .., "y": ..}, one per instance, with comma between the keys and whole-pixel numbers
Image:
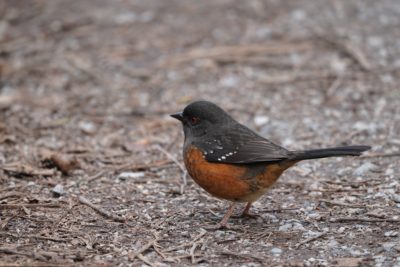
[{"x": 91, "y": 163}]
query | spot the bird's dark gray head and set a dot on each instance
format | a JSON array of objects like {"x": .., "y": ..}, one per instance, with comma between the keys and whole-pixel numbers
[{"x": 199, "y": 117}]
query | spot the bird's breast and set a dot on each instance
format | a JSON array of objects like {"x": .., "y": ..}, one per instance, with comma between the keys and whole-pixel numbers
[{"x": 235, "y": 182}]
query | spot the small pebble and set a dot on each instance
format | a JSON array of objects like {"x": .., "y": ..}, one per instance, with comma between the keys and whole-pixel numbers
[
  {"x": 130, "y": 175},
  {"x": 285, "y": 228},
  {"x": 391, "y": 233},
  {"x": 292, "y": 226},
  {"x": 366, "y": 167},
  {"x": 58, "y": 190},
  {"x": 396, "y": 198},
  {"x": 387, "y": 246},
  {"x": 276, "y": 251},
  {"x": 261, "y": 120},
  {"x": 87, "y": 127}
]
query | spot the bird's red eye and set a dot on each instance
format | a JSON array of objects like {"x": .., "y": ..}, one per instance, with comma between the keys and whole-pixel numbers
[{"x": 194, "y": 120}]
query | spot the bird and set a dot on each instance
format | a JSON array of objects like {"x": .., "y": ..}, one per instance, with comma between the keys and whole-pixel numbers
[{"x": 232, "y": 162}]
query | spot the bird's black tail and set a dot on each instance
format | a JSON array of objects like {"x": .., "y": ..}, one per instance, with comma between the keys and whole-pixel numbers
[{"x": 329, "y": 152}]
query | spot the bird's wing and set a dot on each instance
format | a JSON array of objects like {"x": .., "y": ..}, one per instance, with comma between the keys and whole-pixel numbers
[{"x": 241, "y": 145}]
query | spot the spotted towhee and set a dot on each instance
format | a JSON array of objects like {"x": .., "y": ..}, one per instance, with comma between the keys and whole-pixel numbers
[{"x": 232, "y": 162}]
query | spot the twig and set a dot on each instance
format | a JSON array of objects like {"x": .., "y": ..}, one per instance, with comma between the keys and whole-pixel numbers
[
  {"x": 159, "y": 252},
  {"x": 354, "y": 219},
  {"x": 100, "y": 210},
  {"x": 191, "y": 252},
  {"x": 189, "y": 243},
  {"x": 9, "y": 234},
  {"x": 34, "y": 236},
  {"x": 280, "y": 210},
  {"x": 241, "y": 255},
  {"x": 297, "y": 76},
  {"x": 334, "y": 86},
  {"x": 24, "y": 169},
  {"x": 310, "y": 239},
  {"x": 381, "y": 155},
  {"x": 145, "y": 260},
  {"x": 269, "y": 233},
  {"x": 96, "y": 176},
  {"x": 131, "y": 167},
  {"x": 56, "y": 223},
  {"x": 33, "y": 254},
  {"x": 6, "y": 221},
  {"x": 148, "y": 245},
  {"x": 349, "y": 49},
  {"x": 33, "y": 219},
  {"x": 266, "y": 241},
  {"x": 19, "y": 206},
  {"x": 337, "y": 203},
  {"x": 48, "y": 238},
  {"x": 184, "y": 179},
  {"x": 171, "y": 157},
  {"x": 177, "y": 258},
  {"x": 256, "y": 60},
  {"x": 7, "y": 189},
  {"x": 243, "y": 51},
  {"x": 11, "y": 194}
]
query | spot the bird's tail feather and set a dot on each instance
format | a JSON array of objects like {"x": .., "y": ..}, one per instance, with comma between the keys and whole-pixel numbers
[{"x": 329, "y": 152}]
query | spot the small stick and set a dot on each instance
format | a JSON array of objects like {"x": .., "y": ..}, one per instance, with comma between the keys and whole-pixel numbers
[
  {"x": 143, "y": 249},
  {"x": 177, "y": 258},
  {"x": 19, "y": 206},
  {"x": 96, "y": 176},
  {"x": 129, "y": 166},
  {"x": 11, "y": 194},
  {"x": 145, "y": 260},
  {"x": 187, "y": 244},
  {"x": 35, "y": 255},
  {"x": 310, "y": 239},
  {"x": 240, "y": 51},
  {"x": 171, "y": 157},
  {"x": 6, "y": 221},
  {"x": 242, "y": 255},
  {"x": 100, "y": 210},
  {"x": 165, "y": 257},
  {"x": 56, "y": 223},
  {"x": 334, "y": 86},
  {"x": 35, "y": 236},
  {"x": 349, "y": 50},
  {"x": 48, "y": 238},
  {"x": 10, "y": 188},
  {"x": 381, "y": 155},
  {"x": 337, "y": 203},
  {"x": 354, "y": 219},
  {"x": 192, "y": 250},
  {"x": 281, "y": 209}
]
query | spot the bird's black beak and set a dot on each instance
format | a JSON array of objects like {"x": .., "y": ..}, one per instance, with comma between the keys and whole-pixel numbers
[{"x": 178, "y": 116}]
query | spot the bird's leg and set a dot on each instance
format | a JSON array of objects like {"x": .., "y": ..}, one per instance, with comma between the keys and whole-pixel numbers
[
  {"x": 246, "y": 213},
  {"x": 228, "y": 214},
  {"x": 246, "y": 209}
]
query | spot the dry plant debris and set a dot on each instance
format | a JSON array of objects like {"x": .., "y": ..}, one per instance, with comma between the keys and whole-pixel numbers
[{"x": 90, "y": 163}]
